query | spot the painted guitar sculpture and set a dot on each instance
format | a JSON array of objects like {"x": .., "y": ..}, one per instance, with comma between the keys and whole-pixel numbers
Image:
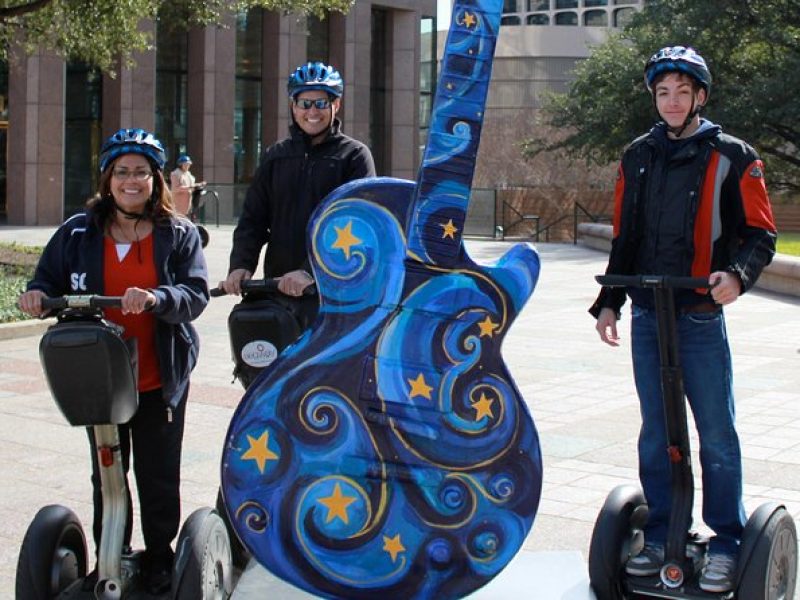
[{"x": 388, "y": 451}]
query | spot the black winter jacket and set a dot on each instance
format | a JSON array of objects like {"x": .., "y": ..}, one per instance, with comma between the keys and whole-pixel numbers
[
  {"x": 706, "y": 196},
  {"x": 72, "y": 263},
  {"x": 290, "y": 182}
]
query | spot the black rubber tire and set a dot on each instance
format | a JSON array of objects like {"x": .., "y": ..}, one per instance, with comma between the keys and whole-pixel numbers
[
  {"x": 621, "y": 519},
  {"x": 771, "y": 571},
  {"x": 204, "y": 237},
  {"x": 203, "y": 569},
  {"x": 52, "y": 556},
  {"x": 239, "y": 554}
]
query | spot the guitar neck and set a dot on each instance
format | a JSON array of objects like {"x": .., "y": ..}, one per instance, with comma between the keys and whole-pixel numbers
[{"x": 439, "y": 210}]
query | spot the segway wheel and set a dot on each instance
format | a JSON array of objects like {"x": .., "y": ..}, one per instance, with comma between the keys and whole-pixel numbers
[
  {"x": 203, "y": 568},
  {"x": 239, "y": 553},
  {"x": 204, "y": 237},
  {"x": 52, "y": 556},
  {"x": 617, "y": 532},
  {"x": 770, "y": 568}
]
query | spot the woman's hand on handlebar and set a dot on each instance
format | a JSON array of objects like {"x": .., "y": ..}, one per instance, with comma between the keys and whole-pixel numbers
[
  {"x": 607, "y": 326},
  {"x": 726, "y": 287},
  {"x": 30, "y": 302},
  {"x": 136, "y": 300},
  {"x": 233, "y": 284},
  {"x": 294, "y": 283}
]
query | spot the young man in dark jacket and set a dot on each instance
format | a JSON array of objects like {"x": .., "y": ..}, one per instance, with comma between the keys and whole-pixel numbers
[
  {"x": 689, "y": 201},
  {"x": 294, "y": 176}
]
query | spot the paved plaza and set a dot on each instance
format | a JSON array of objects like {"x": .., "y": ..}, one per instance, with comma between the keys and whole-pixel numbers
[{"x": 579, "y": 391}]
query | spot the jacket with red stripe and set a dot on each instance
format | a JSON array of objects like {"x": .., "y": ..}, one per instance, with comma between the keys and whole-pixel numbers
[{"x": 688, "y": 208}]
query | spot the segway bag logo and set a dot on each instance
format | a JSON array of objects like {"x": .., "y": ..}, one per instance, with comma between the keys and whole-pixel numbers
[
  {"x": 259, "y": 353},
  {"x": 78, "y": 282}
]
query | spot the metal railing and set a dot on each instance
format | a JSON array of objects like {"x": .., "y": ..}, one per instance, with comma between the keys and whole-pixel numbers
[{"x": 577, "y": 210}]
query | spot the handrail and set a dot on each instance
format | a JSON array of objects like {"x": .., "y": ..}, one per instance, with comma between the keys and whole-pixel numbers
[
  {"x": 594, "y": 218},
  {"x": 521, "y": 218}
]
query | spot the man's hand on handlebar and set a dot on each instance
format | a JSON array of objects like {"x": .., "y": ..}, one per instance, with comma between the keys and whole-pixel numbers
[
  {"x": 727, "y": 287},
  {"x": 233, "y": 284},
  {"x": 294, "y": 283}
]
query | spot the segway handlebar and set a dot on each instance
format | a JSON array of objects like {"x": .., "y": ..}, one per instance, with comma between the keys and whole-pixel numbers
[
  {"x": 87, "y": 301},
  {"x": 261, "y": 285},
  {"x": 653, "y": 281}
]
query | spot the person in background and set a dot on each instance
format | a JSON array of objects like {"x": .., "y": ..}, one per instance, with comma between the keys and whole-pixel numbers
[
  {"x": 182, "y": 185},
  {"x": 130, "y": 242},
  {"x": 689, "y": 201},
  {"x": 295, "y": 174}
]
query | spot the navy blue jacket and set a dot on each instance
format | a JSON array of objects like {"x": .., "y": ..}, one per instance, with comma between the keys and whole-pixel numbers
[{"x": 72, "y": 263}]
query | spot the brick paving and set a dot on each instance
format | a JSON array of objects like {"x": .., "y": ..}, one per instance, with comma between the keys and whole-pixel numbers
[{"x": 580, "y": 393}]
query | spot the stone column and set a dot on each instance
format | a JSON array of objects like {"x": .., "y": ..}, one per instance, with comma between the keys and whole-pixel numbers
[
  {"x": 35, "y": 185},
  {"x": 129, "y": 99},
  {"x": 211, "y": 101}
]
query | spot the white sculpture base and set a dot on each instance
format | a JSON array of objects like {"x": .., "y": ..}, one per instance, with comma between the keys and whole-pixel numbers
[{"x": 541, "y": 575}]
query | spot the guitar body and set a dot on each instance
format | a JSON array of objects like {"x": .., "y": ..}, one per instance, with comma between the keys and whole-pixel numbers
[{"x": 388, "y": 451}]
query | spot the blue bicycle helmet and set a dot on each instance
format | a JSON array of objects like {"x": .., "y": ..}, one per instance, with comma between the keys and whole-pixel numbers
[
  {"x": 132, "y": 141},
  {"x": 315, "y": 76},
  {"x": 677, "y": 59},
  {"x": 183, "y": 158}
]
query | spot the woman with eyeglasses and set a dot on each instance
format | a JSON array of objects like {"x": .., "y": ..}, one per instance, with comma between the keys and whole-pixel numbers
[
  {"x": 131, "y": 243},
  {"x": 295, "y": 174}
]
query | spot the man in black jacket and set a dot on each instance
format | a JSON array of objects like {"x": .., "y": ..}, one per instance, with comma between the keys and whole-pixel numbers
[
  {"x": 294, "y": 176},
  {"x": 689, "y": 201}
]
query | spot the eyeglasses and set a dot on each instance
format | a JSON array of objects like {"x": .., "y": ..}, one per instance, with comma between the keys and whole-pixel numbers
[
  {"x": 125, "y": 174},
  {"x": 306, "y": 103}
]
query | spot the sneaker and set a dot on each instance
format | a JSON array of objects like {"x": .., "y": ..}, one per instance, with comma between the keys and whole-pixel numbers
[
  {"x": 648, "y": 562},
  {"x": 718, "y": 574}
]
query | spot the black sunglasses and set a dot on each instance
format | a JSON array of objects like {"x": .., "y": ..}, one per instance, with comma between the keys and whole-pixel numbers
[{"x": 306, "y": 104}]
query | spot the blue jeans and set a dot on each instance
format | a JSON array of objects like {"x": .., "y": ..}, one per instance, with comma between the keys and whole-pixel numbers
[{"x": 705, "y": 357}]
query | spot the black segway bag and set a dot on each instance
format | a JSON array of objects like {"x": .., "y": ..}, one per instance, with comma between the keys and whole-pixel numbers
[
  {"x": 259, "y": 330},
  {"x": 92, "y": 372}
]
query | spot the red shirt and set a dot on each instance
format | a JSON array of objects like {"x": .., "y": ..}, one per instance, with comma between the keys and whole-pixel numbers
[{"x": 136, "y": 269}]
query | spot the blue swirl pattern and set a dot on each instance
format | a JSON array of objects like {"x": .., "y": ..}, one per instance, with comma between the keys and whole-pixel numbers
[{"x": 388, "y": 451}]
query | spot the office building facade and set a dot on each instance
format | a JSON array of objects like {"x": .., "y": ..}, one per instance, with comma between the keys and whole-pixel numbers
[{"x": 217, "y": 93}]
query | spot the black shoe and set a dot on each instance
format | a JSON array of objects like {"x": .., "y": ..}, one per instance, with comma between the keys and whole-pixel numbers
[
  {"x": 89, "y": 582},
  {"x": 157, "y": 582},
  {"x": 157, "y": 571}
]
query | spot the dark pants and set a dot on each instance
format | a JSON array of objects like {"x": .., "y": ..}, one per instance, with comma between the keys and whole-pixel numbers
[{"x": 157, "y": 443}]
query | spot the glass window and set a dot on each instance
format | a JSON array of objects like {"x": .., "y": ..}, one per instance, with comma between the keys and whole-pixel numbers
[
  {"x": 247, "y": 102},
  {"x": 318, "y": 41},
  {"x": 538, "y": 5},
  {"x": 623, "y": 16},
  {"x": 590, "y": 3},
  {"x": 379, "y": 93},
  {"x": 82, "y": 132},
  {"x": 626, "y": 1},
  {"x": 510, "y": 21},
  {"x": 566, "y": 4},
  {"x": 509, "y": 6},
  {"x": 172, "y": 50},
  {"x": 427, "y": 76},
  {"x": 595, "y": 18},
  {"x": 538, "y": 20},
  {"x": 567, "y": 18}
]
